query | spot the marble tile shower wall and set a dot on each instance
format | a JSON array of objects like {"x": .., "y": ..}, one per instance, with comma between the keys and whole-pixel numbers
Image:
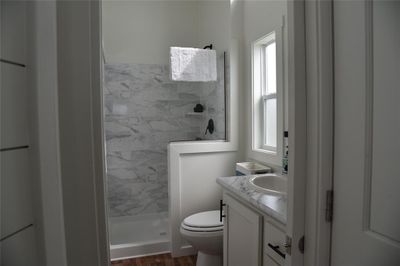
[
  {"x": 144, "y": 111},
  {"x": 213, "y": 99}
]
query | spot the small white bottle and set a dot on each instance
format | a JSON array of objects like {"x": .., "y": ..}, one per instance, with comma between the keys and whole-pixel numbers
[{"x": 285, "y": 157}]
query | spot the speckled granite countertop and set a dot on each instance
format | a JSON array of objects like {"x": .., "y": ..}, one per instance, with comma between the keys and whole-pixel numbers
[{"x": 274, "y": 206}]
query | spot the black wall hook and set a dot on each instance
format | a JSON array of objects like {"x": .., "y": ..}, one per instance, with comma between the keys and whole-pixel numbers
[{"x": 208, "y": 47}]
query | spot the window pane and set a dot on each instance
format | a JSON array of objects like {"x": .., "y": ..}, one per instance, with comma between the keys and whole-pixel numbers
[
  {"x": 270, "y": 67},
  {"x": 270, "y": 122}
]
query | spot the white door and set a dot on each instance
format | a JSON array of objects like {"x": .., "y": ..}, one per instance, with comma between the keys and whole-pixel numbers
[{"x": 366, "y": 223}]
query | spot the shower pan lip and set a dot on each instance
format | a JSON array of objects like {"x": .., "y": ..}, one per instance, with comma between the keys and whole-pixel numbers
[
  {"x": 134, "y": 250},
  {"x": 202, "y": 141},
  {"x": 139, "y": 235}
]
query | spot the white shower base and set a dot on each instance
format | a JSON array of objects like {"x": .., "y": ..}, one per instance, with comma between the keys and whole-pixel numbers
[{"x": 136, "y": 236}]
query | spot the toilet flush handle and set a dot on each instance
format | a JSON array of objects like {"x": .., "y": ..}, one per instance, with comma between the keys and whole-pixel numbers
[{"x": 221, "y": 208}]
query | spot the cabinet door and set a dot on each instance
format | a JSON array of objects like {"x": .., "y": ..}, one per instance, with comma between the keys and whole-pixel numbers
[{"x": 242, "y": 234}]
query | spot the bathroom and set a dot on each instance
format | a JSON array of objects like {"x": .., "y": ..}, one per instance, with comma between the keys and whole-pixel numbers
[
  {"x": 199, "y": 132},
  {"x": 158, "y": 144},
  {"x": 145, "y": 110}
]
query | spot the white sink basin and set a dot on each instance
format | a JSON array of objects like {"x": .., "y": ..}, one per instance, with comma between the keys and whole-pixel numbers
[{"x": 269, "y": 184}]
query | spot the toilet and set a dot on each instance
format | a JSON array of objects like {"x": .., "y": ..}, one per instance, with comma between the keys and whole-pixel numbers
[{"x": 204, "y": 232}]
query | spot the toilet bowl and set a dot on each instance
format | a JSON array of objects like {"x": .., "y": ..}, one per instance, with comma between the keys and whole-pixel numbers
[{"x": 204, "y": 232}]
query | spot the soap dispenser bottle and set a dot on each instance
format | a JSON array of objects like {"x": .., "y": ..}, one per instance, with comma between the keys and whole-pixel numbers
[{"x": 285, "y": 157}]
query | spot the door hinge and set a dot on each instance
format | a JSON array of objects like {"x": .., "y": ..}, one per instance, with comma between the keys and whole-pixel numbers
[
  {"x": 288, "y": 245},
  {"x": 329, "y": 206}
]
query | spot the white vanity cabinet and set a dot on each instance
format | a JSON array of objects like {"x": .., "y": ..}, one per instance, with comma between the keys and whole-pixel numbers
[
  {"x": 251, "y": 238},
  {"x": 242, "y": 234}
]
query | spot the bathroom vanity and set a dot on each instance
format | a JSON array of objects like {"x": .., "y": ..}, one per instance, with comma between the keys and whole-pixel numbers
[{"x": 254, "y": 224}]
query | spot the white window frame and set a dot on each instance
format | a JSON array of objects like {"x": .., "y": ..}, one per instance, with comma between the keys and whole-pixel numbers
[{"x": 264, "y": 152}]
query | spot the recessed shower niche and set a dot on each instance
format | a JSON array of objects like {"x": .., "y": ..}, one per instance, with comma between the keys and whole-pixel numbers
[{"x": 145, "y": 110}]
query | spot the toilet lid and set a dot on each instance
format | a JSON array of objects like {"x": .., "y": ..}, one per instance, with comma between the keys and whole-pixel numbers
[{"x": 208, "y": 219}]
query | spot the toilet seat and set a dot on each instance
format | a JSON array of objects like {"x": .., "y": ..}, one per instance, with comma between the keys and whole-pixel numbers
[
  {"x": 203, "y": 222},
  {"x": 202, "y": 229}
]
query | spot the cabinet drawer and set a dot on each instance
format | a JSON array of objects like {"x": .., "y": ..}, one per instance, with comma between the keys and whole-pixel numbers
[{"x": 274, "y": 239}]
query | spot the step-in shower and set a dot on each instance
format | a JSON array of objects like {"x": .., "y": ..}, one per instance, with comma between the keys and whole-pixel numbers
[{"x": 145, "y": 110}]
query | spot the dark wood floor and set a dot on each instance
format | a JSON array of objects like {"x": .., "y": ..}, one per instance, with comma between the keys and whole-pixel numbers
[{"x": 157, "y": 260}]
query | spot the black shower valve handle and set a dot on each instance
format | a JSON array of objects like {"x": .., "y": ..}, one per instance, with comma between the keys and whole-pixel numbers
[{"x": 210, "y": 127}]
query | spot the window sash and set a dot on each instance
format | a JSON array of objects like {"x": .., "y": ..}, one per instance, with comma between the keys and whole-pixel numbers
[
  {"x": 264, "y": 100},
  {"x": 264, "y": 66}
]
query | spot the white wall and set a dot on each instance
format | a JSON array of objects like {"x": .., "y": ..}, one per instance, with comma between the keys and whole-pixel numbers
[
  {"x": 213, "y": 24},
  {"x": 200, "y": 191},
  {"x": 260, "y": 18},
  {"x": 143, "y": 31},
  {"x": 236, "y": 34}
]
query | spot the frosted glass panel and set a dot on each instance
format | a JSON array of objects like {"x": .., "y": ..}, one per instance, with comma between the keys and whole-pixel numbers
[
  {"x": 270, "y": 57},
  {"x": 270, "y": 122}
]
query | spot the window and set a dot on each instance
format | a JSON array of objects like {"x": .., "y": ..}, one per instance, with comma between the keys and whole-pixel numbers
[{"x": 267, "y": 94}]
